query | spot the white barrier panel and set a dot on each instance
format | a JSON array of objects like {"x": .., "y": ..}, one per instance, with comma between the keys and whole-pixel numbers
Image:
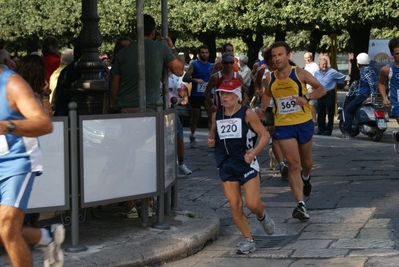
[
  {"x": 170, "y": 144},
  {"x": 50, "y": 190},
  {"x": 119, "y": 158}
]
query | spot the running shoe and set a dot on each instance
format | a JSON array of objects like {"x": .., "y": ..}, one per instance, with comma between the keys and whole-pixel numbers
[
  {"x": 53, "y": 255},
  {"x": 284, "y": 172},
  {"x": 184, "y": 170},
  {"x": 193, "y": 142},
  {"x": 151, "y": 212},
  {"x": 132, "y": 214},
  {"x": 268, "y": 225},
  {"x": 300, "y": 213},
  {"x": 248, "y": 246},
  {"x": 307, "y": 186}
]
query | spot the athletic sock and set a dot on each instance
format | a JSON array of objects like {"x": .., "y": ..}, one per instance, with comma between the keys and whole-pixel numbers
[
  {"x": 265, "y": 216},
  {"x": 46, "y": 237}
]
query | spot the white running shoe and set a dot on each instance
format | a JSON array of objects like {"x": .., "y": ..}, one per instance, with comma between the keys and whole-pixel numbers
[
  {"x": 53, "y": 255},
  {"x": 132, "y": 214},
  {"x": 151, "y": 212},
  {"x": 184, "y": 170},
  {"x": 268, "y": 225}
]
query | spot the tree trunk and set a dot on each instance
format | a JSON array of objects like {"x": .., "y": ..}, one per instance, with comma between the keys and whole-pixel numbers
[
  {"x": 280, "y": 35},
  {"x": 210, "y": 41},
  {"x": 360, "y": 38},
  {"x": 253, "y": 46},
  {"x": 314, "y": 41}
]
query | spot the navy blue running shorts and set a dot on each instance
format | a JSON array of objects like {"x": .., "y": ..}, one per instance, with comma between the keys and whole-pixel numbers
[
  {"x": 303, "y": 132},
  {"x": 236, "y": 171}
]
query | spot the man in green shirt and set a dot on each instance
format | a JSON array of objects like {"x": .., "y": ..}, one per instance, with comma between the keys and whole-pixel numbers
[{"x": 125, "y": 80}]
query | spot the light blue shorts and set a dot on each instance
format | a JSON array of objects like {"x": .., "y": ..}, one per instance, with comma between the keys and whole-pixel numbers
[{"x": 15, "y": 190}]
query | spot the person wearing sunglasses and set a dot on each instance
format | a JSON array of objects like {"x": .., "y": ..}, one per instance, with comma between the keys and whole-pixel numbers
[{"x": 217, "y": 78}]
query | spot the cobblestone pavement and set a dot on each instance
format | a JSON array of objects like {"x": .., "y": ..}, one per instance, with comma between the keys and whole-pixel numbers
[{"x": 353, "y": 208}]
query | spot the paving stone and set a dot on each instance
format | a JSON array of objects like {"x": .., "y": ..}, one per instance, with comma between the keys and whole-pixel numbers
[
  {"x": 377, "y": 223},
  {"x": 332, "y": 227},
  {"x": 375, "y": 233},
  {"x": 301, "y": 244},
  {"x": 319, "y": 253},
  {"x": 357, "y": 243},
  {"x": 329, "y": 235},
  {"x": 382, "y": 261},
  {"x": 336, "y": 262},
  {"x": 374, "y": 253}
]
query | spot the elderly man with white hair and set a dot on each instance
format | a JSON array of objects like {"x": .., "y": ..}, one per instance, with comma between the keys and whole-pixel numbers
[
  {"x": 244, "y": 71},
  {"x": 66, "y": 58}
]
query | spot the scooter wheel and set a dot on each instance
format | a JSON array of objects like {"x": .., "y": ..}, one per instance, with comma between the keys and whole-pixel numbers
[{"x": 376, "y": 137}]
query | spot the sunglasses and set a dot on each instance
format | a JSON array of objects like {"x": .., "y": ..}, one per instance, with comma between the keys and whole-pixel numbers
[{"x": 228, "y": 62}]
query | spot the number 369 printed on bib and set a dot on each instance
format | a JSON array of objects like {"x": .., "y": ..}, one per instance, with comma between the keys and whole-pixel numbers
[{"x": 229, "y": 128}]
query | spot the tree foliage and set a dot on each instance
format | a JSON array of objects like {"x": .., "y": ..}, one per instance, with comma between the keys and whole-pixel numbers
[{"x": 249, "y": 24}]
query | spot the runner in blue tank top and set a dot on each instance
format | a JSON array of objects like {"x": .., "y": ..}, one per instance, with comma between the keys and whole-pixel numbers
[
  {"x": 389, "y": 79},
  {"x": 22, "y": 119},
  {"x": 198, "y": 75},
  {"x": 233, "y": 134}
]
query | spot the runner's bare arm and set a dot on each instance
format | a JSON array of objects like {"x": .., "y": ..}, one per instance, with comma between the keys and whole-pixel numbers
[
  {"x": 211, "y": 135},
  {"x": 381, "y": 85},
  {"x": 308, "y": 78},
  {"x": 252, "y": 119},
  {"x": 211, "y": 84},
  {"x": 21, "y": 99},
  {"x": 187, "y": 76}
]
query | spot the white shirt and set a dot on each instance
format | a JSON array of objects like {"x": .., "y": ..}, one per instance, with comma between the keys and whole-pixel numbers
[
  {"x": 245, "y": 73},
  {"x": 311, "y": 67}
]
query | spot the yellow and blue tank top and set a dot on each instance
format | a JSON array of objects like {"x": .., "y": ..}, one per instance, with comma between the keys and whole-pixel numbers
[{"x": 284, "y": 93}]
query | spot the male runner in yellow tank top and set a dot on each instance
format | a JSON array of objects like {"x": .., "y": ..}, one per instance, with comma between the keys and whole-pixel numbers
[{"x": 293, "y": 122}]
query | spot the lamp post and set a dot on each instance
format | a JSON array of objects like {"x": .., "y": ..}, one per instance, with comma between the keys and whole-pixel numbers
[{"x": 88, "y": 91}]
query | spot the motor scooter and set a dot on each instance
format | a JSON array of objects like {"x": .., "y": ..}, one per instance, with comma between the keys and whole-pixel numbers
[{"x": 370, "y": 119}]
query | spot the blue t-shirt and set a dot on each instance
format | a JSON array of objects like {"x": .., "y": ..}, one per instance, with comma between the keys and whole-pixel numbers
[{"x": 201, "y": 71}]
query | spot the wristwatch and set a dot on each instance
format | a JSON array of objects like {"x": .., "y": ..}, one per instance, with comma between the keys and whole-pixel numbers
[
  {"x": 307, "y": 96},
  {"x": 10, "y": 126}
]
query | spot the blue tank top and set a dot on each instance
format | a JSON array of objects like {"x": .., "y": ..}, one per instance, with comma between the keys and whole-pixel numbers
[
  {"x": 234, "y": 148},
  {"x": 18, "y": 154},
  {"x": 393, "y": 84},
  {"x": 201, "y": 71}
]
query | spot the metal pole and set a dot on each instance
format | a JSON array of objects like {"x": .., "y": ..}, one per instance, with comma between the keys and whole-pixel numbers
[
  {"x": 160, "y": 169},
  {"x": 165, "y": 32},
  {"x": 141, "y": 59},
  {"x": 142, "y": 86},
  {"x": 333, "y": 63},
  {"x": 73, "y": 135},
  {"x": 173, "y": 191}
]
